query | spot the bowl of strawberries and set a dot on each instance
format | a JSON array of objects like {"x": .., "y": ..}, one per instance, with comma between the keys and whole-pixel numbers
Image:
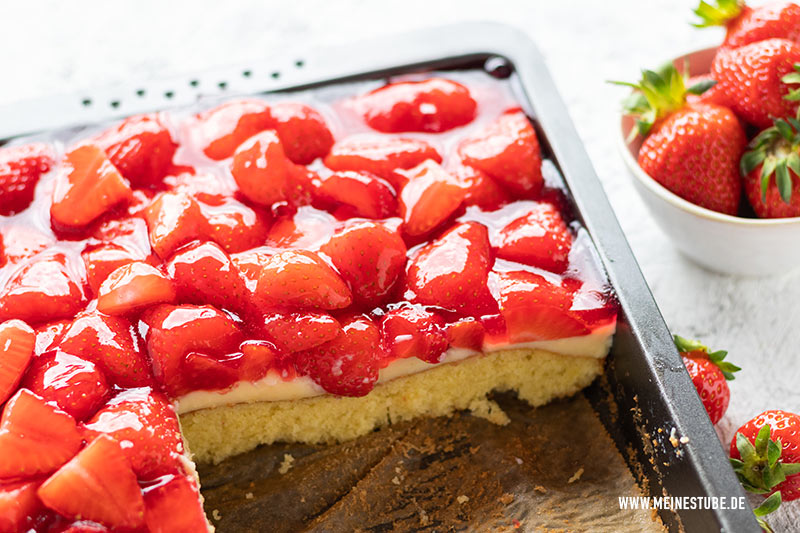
[{"x": 713, "y": 141}]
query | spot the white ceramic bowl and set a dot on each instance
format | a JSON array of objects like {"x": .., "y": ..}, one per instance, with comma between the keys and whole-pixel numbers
[{"x": 719, "y": 242}]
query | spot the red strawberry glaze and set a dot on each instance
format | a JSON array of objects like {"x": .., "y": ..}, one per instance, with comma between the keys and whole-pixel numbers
[{"x": 271, "y": 242}]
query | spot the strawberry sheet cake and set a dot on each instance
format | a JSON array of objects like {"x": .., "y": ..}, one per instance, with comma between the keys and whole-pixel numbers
[{"x": 299, "y": 268}]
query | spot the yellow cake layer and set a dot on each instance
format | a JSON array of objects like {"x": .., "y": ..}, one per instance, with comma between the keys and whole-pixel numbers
[{"x": 536, "y": 375}]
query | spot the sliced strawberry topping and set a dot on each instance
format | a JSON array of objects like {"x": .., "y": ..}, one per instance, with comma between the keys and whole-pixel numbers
[
  {"x": 296, "y": 331},
  {"x": 147, "y": 426},
  {"x": 20, "y": 170},
  {"x": 101, "y": 261},
  {"x": 479, "y": 188},
  {"x": 533, "y": 308},
  {"x": 77, "y": 386},
  {"x": 203, "y": 186},
  {"x": 41, "y": 291},
  {"x": 170, "y": 493},
  {"x": 508, "y": 151},
  {"x": 348, "y": 365},
  {"x": 110, "y": 343},
  {"x": 85, "y": 526},
  {"x": 22, "y": 242},
  {"x": 204, "y": 372},
  {"x": 97, "y": 484},
  {"x": 539, "y": 238},
  {"x": 412, "y": 331},
  {"x": 358, "y": 194},
  {"x": 129, "y": 233},
  {"x": 261, "y": 169},
  {"x": 300, "y": 279},
  {"x": 174, "y": 219},
  {"x": 429, "y": 198},
  {"x": 17, "y": 341},
  {"x": 221, "y": 130},
  {"x": 451, "y": 272},
  {"x": 87, "y": 187},
  {"x": 49, "y": 335},
  {"x": 35, "y": 437},
  {"x": 204, "y": 274},
  {"x": 380, "y": 156},
  {"x": 235, "y": 226},
  {"x": 466, "y": 333},
  {"x": 308, "y": 229},
  {"x": 141, "y": 148},
  {"x": 434, "y": 105},
  {"x": 259, "y": 356},
  {"x": 132, "y": 287},
  {"x": 302, "y": 131},
  {"x": 18, "y": 505},
  {"x": 176, "y": 331},
  {"x": 371, "y": 259}
]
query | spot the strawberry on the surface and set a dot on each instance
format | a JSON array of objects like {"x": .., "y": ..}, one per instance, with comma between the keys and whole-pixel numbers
[
  {"x": 745, "y": 24},
  {"x": 20, "y": 169},
  {"x": 710, "y": 373},
  {"x": 17, "y": 342}
]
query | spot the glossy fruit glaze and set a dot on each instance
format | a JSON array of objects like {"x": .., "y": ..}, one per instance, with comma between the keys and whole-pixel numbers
[{"x": 323, "y": 236}]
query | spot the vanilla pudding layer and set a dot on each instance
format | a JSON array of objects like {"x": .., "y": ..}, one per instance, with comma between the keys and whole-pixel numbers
[{"x": 217, "y": 425}]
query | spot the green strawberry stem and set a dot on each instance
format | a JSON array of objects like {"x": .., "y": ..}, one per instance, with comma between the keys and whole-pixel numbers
[
  {"x": 769, "y": 505},
  {"x": 777, "y": 150},
  {"x": 793, "y": 78},
  {"x": 719, "y": 14},
  {"x": 760, "y": 469},
  {"x": 718, "y": 357}
]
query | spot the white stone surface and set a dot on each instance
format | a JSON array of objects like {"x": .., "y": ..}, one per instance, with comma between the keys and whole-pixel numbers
[{"x": 54, "y": 46}]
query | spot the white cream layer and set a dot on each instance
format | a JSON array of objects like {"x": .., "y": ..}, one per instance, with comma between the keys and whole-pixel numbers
[{"x": 272, "y": 388}]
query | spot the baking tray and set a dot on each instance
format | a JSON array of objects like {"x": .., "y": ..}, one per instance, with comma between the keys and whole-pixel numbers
[{"x": 645, "y": 399}]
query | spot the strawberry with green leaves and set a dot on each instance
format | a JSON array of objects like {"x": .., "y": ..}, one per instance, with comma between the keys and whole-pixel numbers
[
  {"x": 692, "y": 149},
  {"x": 710, "y": 373},
  {"x": 771, "y": 170},
  {"x": 20, "y": 170},
  {"x": 745, "y": 24}
]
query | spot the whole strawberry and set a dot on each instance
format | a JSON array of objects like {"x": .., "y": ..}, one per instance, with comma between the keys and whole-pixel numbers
[
  {"x": 771, "y": 170},
  {"x": 710, "y": 374},
  {"x": 756, "y": 80},
  {"x": 20, "y": 170},
  {"x": 765, "y": 454},
  {"x": 747, "y": 24},
  {"x": 692, "y": 149}
]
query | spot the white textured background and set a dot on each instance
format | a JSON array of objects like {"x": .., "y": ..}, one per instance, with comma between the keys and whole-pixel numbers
[{"x": 54, "y": 46}]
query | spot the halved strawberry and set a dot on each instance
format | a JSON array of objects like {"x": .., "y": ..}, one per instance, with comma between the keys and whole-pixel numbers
[
  {"x": 466, "y": 333},
  {"x": 371, "y": 259},
  {"x": 451, "y": 272},
  {"x": 129, "y": 233},
  {"x": 429, "y": 198},
  {"x": 22, "y": 241},
  {"x": 101, "y": 261},
  {"x": 49, "y": 335},
  {"x": 533, "y": 308},
  {"x": 20, "y": 170},
  {"x": 87, "y": 187},
  {"x": 141, "y": 147},
  {"x": 18, "y": 505},
  {"x": 235, "y": 226},
  {"x": 433, "y": 105},
  {"x": 17, "y": 342},
  {"x": 261, "y": 169},
  {"x": 205, "y": 372},
  {"x": 307, "y": 229},
  {"x": 413, "y": 331},
  {"x": 296, "y": 331},
  {"x": 174, "y": 219},
  {"x": 357, "y": 194},
  {"x": 204, "y": 186},
  {"x": 508, "y": 151},
  {"x": 175, "y": 331},
  {"x": 302, "y": 131},
  {"x": 132, "y": 287},
  {"x": 249, "y": 264},
  {"x": 539, "y": 238},
  {"x": 479, "y": 188},
  {"x": 97, "y": 484},
  {"x": 258, "y": 357},
  {"x": 35, "y": 437},
  {"x": 381, "y": 156},
  {"x": 146, "y": 424},
  {"x": 112, "y": 344},
  {"x": 347, "y": 365},
  {"x": 163, "y": 498},
  {"x": 41, "y": 291},
  {"x": 300, "y": 279},
  {"x": 77, "y": 386},
  {"x": 204, "y": 274},
  {"x": 219, "y": 131}
]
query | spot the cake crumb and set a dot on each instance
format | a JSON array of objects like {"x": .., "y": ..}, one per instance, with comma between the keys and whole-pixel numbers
[
  {"x": 286, "y": 464},
  {"x": 518, "y": 460},
  {"x": 396, "y": 480},
  {"x": 539, "y": 488},
  {"x": 576, "y": 476},
  {"x": 506, "y": 498},
  {"x": 462, "y": 499},
  {"x": 673, "y": 439},
  {"x": 216, "y": 515},
  {"x": 303, "y": 499},
  {"x": 423, "y": 518},
  {"x": 684, "y": 440},
  {"x": 248, "y": 496},
  {"x": 474, "y": 449}
]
